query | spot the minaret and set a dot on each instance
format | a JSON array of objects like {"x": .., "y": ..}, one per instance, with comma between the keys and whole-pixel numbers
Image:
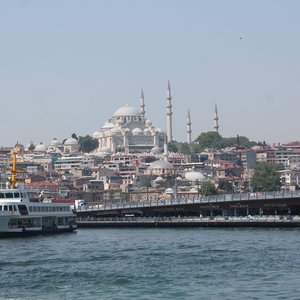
[
  {"x": 189, "y": 128},
  {"x": 216, "y": 119},
  {"x": 142, "y": 106},
  {"x": 169, "y": 114}
]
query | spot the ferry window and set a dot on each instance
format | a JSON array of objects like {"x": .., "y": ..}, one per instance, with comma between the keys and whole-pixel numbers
[
  {"x": 30, "y": 208},
  {"x": 50, "y": 208},
  {"x": 0, "y": 207},
  {"x": 38, "y": 209},
  {"x": 46, "y": 208},
  {"x": 5, "y": 207},
  {"x": 15, "y": 208},
  {"x": 17, "y": 195},
  {"x": 2, "y": 195},
  {"x": 42, "y": 208},
  {"x": 9, "y": 195},
  {"x": 34, "y": 209},
  {"x": 10, "y": 208}
]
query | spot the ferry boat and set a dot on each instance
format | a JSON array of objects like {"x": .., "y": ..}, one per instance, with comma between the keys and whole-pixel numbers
[{"x": 21, "y": 216}]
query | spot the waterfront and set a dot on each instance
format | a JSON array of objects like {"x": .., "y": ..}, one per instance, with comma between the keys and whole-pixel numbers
[{"x": 192, "y": 263}]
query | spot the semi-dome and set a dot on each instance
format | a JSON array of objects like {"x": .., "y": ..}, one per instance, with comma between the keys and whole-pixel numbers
[
  {"x": 137, "y": 131},
  {"x": 40, "y": 148},
  {"x": 54, "y": 142},
  {"x": 158, "y": 179},
  {"x": 159, "y": 130},
  {"x": 115, "y": 130},
  {"x": 194, "y": 176},
  {"x": 126, "y": 111},
  {"x": 95, "y": 134},
  {"x": 169, "y": 191},
  {"x": 71, "y": 141},
  {"x": 108, "y": 125},
  {"x": 105, "y": 150},
  {"x": 160, "y": 164},
  {"x": 147, "y": 131},
  {"x": 156, "y": 150}
]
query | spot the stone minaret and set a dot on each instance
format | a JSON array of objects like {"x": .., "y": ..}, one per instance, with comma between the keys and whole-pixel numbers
[
  {"x": 216, "y": 119},
  {"x": 189, "y": 128},
  {"x": 169, "y": 114},
  {"x": 142, "y": 106}
]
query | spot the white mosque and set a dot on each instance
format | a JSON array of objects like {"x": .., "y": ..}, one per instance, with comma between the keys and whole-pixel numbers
[{"x": 129, "y": 131}]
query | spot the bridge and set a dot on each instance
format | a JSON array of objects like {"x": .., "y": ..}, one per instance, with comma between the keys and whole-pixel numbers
[{"x": 243, "y": 204}]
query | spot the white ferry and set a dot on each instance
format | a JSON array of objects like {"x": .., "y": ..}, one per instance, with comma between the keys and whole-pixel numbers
[{"x": 21, "y": 216}]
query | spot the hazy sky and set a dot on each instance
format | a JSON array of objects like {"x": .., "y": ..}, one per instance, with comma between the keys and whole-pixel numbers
[{"x": 67, "y": 65}]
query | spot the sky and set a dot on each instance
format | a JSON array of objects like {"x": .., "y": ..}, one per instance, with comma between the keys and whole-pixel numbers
[{"x": 67, "y": 65}]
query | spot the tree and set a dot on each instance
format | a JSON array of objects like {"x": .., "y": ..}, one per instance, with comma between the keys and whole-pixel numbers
[
  {"x": 213, "y": 139},
  {"x": 185, "y": 149},
  {"x": 31, "y": 146},
  {"x": 210, "y": 139},
  {"x": 266, "y": 178},
  {"x": 225, "y": 186},
  {"x": 208, "y": 188},
  {"x": 88, "y": 144},
  {"x": 74, "y": 136},
  {"x": 172, "y": 147}
]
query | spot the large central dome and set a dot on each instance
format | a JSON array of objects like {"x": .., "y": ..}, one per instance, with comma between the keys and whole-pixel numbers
[{"x": 127, "y": 111}]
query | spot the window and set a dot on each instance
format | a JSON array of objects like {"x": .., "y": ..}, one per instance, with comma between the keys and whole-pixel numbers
[
  {"x": 16, "y": 195},
  {"x": 2, "y": 195}
]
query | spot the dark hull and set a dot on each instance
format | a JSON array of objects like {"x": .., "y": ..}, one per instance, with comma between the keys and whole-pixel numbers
[{"x": 44, "y": 231}]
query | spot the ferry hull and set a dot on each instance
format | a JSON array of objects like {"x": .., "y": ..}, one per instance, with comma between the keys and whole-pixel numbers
[{"x": 29, "y": 232}]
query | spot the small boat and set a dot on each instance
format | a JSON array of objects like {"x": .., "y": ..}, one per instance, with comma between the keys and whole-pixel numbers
[{"x": 21, "y": 216}]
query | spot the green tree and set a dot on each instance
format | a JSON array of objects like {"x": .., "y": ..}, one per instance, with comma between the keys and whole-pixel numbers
[
  {"x": 208, "y": 188},
  {"x": 210, "y": 139},
  {"x": 185, "y": 149},
  {"x": 213, "y": 139},
  {"x": 87, "y": 143},
  {"x": 31, "y": 146},
  {"x": 225, "y": 186},
  {"x": 172, "y": 147},
  {"x": 74, "y": 136},
  {"x": 266, "y": 178}
]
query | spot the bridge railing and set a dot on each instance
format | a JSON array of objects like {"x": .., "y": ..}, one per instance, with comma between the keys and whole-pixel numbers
[{"x": 122, "y": 204}]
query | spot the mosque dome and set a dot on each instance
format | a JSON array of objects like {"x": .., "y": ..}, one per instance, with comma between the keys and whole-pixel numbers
[
  {"x": 108, "y": 125},
  {"x": 159, "y": 178},
  {"x": 95, "y": 134},
  {"x": 169, "y": 191},
  {"x": 148, "y": 123},
  {"x": 159, "y": 130},
  {"x": 31, "y": 146},
  {"x": 40, "y": 148},
  {"x": 71, "y": 141},
  {"x": 127, "y": 130},
  {"x": 194, "y": 176},
  {"x": 156, "y": 150},
  {"x": 105, "y": 150},
  {"x": 147, "y": 131},
  {"x": 137, "y": 131},
  {"x": 115, "y": 130},
  {"x": 54, "y": 142},
  {"x": 160, "y": 164},
  {"x": 126, "y": 111}
]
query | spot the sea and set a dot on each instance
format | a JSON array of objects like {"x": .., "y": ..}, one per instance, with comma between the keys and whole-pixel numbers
[{"x": 154, "y": 263}]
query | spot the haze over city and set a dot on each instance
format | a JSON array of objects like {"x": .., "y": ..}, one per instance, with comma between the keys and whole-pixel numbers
[{"x": 66, "y": 66}]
